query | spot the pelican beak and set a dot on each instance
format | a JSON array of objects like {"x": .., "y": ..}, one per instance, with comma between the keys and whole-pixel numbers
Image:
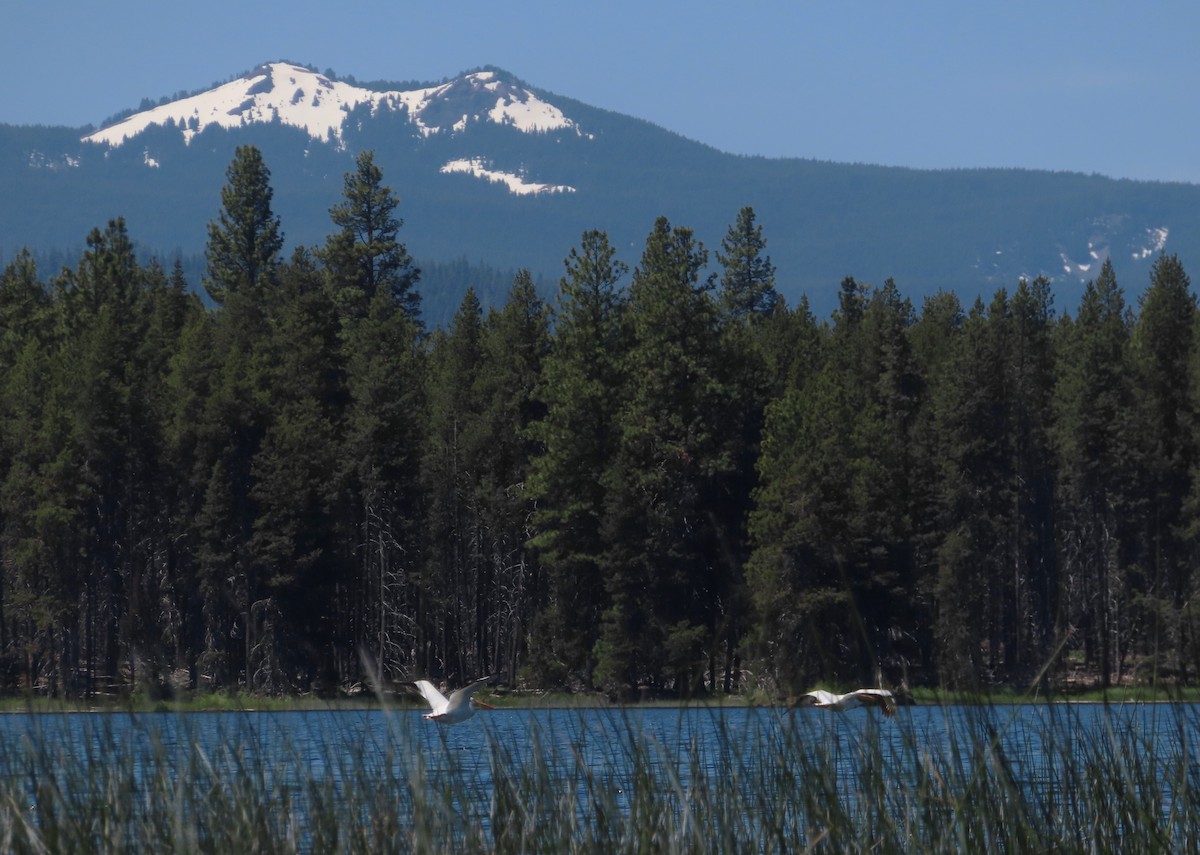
[{"x": 483, "y": 705}]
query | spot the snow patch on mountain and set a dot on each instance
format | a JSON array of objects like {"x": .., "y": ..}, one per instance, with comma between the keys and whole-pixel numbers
[
  {"x": 302, "y": 98},
  {"x": 1111, "y": 235},
  {"x": 1096, "y": 253},
  {"x": 1156, "y": 240},
  {"x": 40, "y": 160},
  {"x": 516, "y": 184}
]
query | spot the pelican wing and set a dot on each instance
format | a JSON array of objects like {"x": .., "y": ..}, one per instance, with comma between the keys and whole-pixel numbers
[
  {"x": 436, "y": 700},
  {"x": 462, "y": 697},
  {"x": 818, "y": 698},
  {"x": 881, "y": 698}
]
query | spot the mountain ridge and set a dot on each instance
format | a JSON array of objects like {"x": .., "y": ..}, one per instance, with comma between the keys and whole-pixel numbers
[
  {"x": 297, "y": 96},
  {"x": 497, "y": 170}
]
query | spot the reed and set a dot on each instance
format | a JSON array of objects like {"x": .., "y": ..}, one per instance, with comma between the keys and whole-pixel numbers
[{"x": 595, "y": 781}]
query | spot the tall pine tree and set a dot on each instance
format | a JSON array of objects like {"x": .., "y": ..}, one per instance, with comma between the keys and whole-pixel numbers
[
  {"x": 364, "y": 256},
  {"x": 514, "y": 345},
  {"x": 581, "y": 386},
  {"x": 1163, "y": 352},
  {"x": 245, "y": 240},
  {"x": 663, "y": 545},
  {"x": 1094, "y": 399},
  {"x": 243, "y": 263},
  {"x": 452, "y": 602},
  {"x": 293, "y": 547}
]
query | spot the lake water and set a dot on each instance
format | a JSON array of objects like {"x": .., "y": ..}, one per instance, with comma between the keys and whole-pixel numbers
[
  {"x": 592, "y": 756},
  {"x": 311, "y": 738},
  {"x": 307, "y": 744}
]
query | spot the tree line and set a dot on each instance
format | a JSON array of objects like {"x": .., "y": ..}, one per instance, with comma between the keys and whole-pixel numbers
[{"x": 665, "y": 480}]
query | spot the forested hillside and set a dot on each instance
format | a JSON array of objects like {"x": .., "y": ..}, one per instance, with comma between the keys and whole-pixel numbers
[
  {"x": 470, "y": 192},
  {"x": 666, "y": 479}
]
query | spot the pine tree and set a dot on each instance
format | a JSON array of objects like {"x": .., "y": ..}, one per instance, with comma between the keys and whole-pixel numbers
[
  {"x": 975, "y": 499},
  {"x": 364, "y": 256},
  {"x": 96, "y": 461},
  {"x": 380, "y": 466},
  {"x": 292, "y": 546},
  {"x": 832, "y": 569},
  {"x": 662, "y": 579},
  {"x": 245, "y": 240},
  {"x": 235, "y": 420},
  {"x": 24, "y": 369},
  {"x": 23, "y": 306},
  {"x": 934, "y": 339},
  {"x": 790, "y": 343},
  {"x": 513, "y": 346},
  {"x": 748, "y": 280},
  {"x": 1163, "y": 351},
  {"x": 456, "y": 446},
  {"x": 582, "y": 380},
  {"x": 190, "y": 446},
  {"x": 888, "y": 474},
  {"x": 762, "y": 348},
  {"x": 998, "y": 589},
  {"x": 1094, "y": 400},
  {"x": 242, "y": 277},
  {"x": 103, "y": 314},
  {"x": 1035, "y": 598},
  {"x": 157, "y": 588},
  {"x": 41, "y": 519}
]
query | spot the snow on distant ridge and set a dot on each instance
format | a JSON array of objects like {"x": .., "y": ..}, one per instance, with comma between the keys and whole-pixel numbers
[
  {"x": 302, "y": 98},
  {"x": 1157, "y": 241},
  {"x": 1151, "y": 241},
  {"x": 515, "y": 183}
]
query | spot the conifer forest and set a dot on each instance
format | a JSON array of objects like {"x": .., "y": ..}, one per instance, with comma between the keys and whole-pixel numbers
[{"x": 663, "y": 480}]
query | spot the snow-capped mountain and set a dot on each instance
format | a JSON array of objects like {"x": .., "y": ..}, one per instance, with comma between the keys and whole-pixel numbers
[
  {"x": 322, "y": 107},
  {"x": 303, "y": 98},
  {"x": 496, "y": 171}
]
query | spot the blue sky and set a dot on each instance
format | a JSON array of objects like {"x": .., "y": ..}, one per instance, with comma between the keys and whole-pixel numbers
[{"x": 1108, "y": 87}]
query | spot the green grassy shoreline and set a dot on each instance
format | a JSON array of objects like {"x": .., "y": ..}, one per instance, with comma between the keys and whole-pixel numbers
[{"x": 240, "y": 702}]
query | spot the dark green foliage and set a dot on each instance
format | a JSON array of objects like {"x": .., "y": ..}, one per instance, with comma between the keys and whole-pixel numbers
[
  {"x": 581, "y": 387},
  {"x": 379, "y": 468},
  {"x": 293, "y": 489},
  {"x": 748, "y": 281},
  {"x": 514, "y": 346},
  {"x": 686, "y": 487},
  {"x": 1094, "y": 436},
  {"x": 833, "y": 572},
  {"x": 245, "y": 239},
  {"x": 23, "y": 303},
  {"x": 364, "y": 256},
  {"x": 1032, "y": 360},
  {"x": 454, "y": 452},
  {"x": 662, "y": 561},
  {"x": 976, "y": 500},
  {"x": 1163, "y": 353}
]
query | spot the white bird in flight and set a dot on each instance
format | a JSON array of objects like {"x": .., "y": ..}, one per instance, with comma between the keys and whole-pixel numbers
[
  {"x": 881, "y": 698},
  {"x": 459, "y": 707}
]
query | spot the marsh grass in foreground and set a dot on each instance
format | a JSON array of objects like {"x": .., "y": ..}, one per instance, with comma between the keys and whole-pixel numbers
[{"x": 1074, "y": 778}]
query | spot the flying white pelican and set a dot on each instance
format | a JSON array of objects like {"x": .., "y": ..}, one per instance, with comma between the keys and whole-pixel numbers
[
  {"x": 881, "y": 698},
  {"x": 460, "y": 706}
]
